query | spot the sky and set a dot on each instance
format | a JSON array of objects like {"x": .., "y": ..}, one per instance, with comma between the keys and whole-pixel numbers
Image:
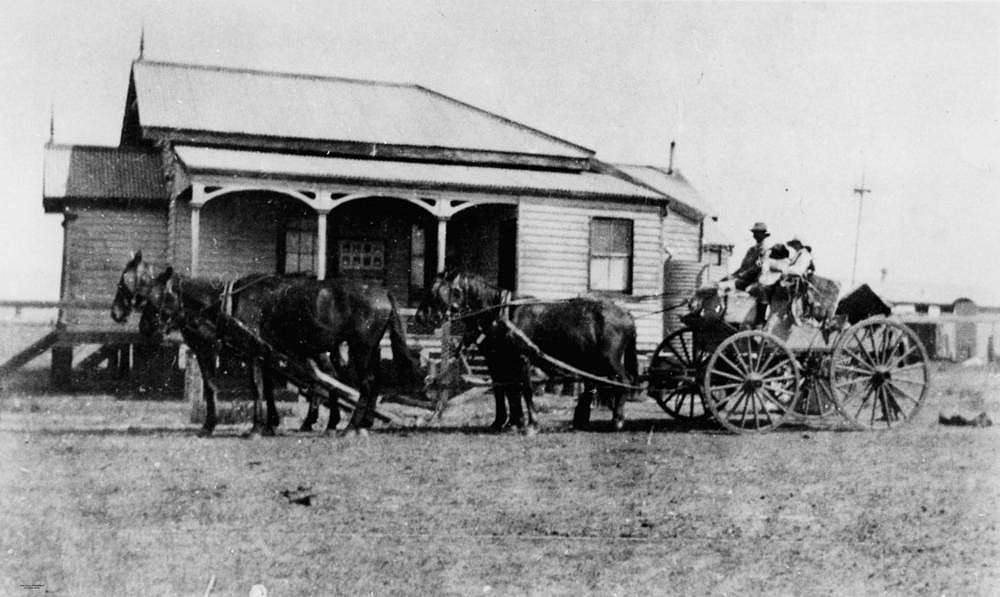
[{"x": 779, "y": 110}]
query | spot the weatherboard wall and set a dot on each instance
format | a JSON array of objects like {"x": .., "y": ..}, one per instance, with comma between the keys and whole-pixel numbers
[
  {"x": 553, "y": 253},
  {"x": 99, "y": 242}
]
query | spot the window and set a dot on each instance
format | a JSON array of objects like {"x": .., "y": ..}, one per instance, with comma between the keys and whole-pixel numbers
[
  {"x": 611, "y": 255},
  {"x": 361, "y": 256},
  {"x": 300, "y": 247}
]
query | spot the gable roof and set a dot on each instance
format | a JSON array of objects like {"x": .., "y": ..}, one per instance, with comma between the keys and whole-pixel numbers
[
  {"x": 75, "y": 172},
  {"x": 236, "y": 103}
]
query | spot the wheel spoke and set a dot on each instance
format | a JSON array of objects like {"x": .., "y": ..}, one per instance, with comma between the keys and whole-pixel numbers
[
  {"x": 727, "y": 386},
  {"x": 876, "y": 399},
  {"x": 770, "y": 357},
  {"x": 891, "y": 399},
  {"x": 860, "y": 359},
  {"x": 732, "y": 364},
  {"x": 900, "y": 390},
  {"x": 745, "y": 368},
  {"x": 849, "y": 382},
  {"x": 905, "y": 355},
  {"x": 884, "y": 401},
  {"x": 687, "y": 353},
  {"x": 870, "y": 335},
  {"x": 863, "y": 351},
  {"x": 766, "y": 411},
  {"x": 855, "y": 370},
  {"x": 908, "y": 367},
  {"x": 691, "y": 402},
  {"x": 770, "y": 396},
  {"x": 864, "y": 398},
  {"x": 775, "y": 368},
  {"x": 745, "y": 398},
  {"x": 885, "y": 345},
  {"x": 909, "y": 381},
  {"x": 756, "y": 420},
  {"x": 777, "y": 379},
  {"x": 727, "y": 375}
]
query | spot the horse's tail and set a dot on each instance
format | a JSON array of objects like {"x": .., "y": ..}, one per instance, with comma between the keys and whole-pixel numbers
[
  {"x": 631, "y": 358},
  {"x": 407, "y": 368}
]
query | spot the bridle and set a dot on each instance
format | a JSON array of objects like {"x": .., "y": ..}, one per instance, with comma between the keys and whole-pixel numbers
[{"x": 134, "y": 299}]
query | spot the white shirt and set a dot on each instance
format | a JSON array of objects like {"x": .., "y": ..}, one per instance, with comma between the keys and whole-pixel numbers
[
  {"x": 771, "y": 270},
  {"x": 801, "y": 260}
]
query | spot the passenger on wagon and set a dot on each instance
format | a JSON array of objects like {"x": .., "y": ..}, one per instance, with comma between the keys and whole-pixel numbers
[
  {"x": 797, "y": 280},
  {"x": 750, "y": 267},
  {"x": 801, "y": 261},
  {"x": 772, "y": 270}
]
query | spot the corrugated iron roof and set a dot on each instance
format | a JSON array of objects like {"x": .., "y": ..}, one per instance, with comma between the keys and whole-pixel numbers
[
  {"x": 247, "y": 102},
  {"x": 90, "y": 172},
  {"x": 672, "y": 185},
  {"x": 410, "y": 174}
]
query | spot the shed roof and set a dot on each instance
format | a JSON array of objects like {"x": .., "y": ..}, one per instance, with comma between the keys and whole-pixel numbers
[
  {"x": 671, "y": 184},
  {"x": 585, "y": 184},
  {"x": 102, "y": 173},
  {"x": 293, "y": 106}
]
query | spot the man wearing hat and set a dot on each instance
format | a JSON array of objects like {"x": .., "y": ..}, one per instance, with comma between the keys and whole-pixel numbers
[{"x": 750, "y": 267}]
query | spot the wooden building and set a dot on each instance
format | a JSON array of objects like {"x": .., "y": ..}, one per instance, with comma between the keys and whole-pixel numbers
[{"x": 224, "y": 171}]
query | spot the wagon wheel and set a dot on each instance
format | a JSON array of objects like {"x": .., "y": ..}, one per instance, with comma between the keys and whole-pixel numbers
[
  {"x": 675, "y": 374},
  {"x": 879, "y": 374},
  {"x": 751, "y": 382}
]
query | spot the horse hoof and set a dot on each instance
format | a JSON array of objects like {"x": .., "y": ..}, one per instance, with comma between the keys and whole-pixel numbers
[
  {"x": 269, "y": 432},
  {"x": 204, "y": 432},
  {"x": 306, "y": 428},
  {"x": 618, "y": 424},
  {"x": 529, "y": 431},
  {"x": 498, "y": 426}
]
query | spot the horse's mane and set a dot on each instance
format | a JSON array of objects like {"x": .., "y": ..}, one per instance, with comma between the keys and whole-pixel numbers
[{"x": 478, "y": 292}]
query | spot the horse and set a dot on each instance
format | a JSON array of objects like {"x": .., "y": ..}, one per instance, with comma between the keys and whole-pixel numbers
[
  {"x": 357, "y": 319},
  {"x": 591, "y": 334}
]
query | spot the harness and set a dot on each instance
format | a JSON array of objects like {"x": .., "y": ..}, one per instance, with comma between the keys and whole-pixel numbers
[{"x": 502, "y": 322}]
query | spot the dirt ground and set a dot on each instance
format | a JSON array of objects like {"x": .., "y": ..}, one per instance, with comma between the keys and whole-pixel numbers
[{"x": 108, "y": 496}]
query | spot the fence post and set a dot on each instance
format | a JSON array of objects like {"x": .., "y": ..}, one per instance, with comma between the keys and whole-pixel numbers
[{"x": 61, "y": 376}]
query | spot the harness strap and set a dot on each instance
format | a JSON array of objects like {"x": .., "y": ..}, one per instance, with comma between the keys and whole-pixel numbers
[
  {"x": 537, "y": 352},
  {"x": 227, "y": 298}
]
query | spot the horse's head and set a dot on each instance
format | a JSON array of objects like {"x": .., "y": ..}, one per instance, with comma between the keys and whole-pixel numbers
[
  {"x": 447, "y": 297},
  {"x": 161, "y": 310},
  {"x": 133, "y": 288}
]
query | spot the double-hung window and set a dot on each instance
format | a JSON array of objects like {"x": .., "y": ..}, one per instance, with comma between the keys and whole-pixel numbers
[
  {"x": 611, "y": 255},
  {"x": 300, "y": 248}
]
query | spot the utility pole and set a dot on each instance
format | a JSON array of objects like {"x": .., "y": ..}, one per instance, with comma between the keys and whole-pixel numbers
[{"x": 857, "y": 235}]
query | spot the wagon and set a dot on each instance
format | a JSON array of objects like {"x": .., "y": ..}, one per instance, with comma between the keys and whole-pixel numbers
[{"x": 847, "y": 364}]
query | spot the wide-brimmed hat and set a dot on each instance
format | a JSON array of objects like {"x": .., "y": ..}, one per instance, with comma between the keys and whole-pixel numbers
[
  {"x": 760, "y": 227},
  {"x": 796, "y": 238}
]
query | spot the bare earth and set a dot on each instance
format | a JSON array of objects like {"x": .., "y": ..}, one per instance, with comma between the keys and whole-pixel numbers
[{"x": 104, "y": 496}]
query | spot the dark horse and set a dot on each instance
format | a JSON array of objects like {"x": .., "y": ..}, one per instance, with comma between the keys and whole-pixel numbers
[
  {"x": 593, "y": 335},
  {"x": 300, "y": 316}
]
